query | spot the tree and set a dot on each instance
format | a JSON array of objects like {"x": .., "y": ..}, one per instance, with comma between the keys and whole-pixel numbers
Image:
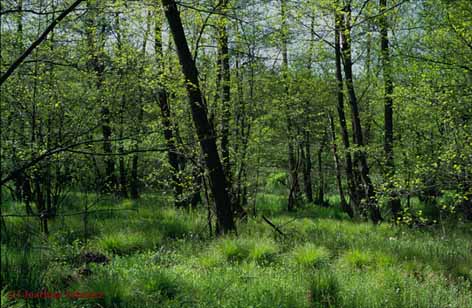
[
  {"x": 351, "y": 183},
  {"x": 206, "y": 135},
  {"x": 359, "y": 154},
  {"x": 293, "y": 159},
  {"x": 393, "y": 202}
]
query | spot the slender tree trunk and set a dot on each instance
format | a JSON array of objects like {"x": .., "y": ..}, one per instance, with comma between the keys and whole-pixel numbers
[
  {"x": 110, "y": 178},
  {"x": 47, "y": 178},
  {"x": 226, "y": 105},
  {"x": 99, "y": 68},
  {"x": 360, "y": 155},
  {"x": 349, "y": 169},
  {"x": 393, "y": 201},
  {"x": 368, "y": 72},
  {"x": 123, "y": 180},
  {"x": 164, "y": 106},
  {"x": 344, "y": 205},
  {"x": 95, "y": 43},
  {"x": 206, "y": 135},
  {"x": 19, "y": 44},
  {"x": 36, "y": 139},
  {"x": 134, "y": 185},
  {"x": 196, "y": 197},
  {"x": 121, "y": 150},
  {"x": 321, "y": 185},
  {"x": 294, "y": 185},
  {"x": 242, "y": 130},
  {"x": 306, "y": 144},
  {"x": 134, "y": 181},
  {"x": 306, "y": 158},
  {"x": 224, "y": 92}
]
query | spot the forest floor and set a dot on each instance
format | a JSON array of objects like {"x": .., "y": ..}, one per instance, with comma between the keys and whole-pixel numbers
[{"x": 152, "y": 255}]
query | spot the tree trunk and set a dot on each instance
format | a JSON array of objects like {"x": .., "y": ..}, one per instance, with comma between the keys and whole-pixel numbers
[
  {"x": 306, "y": 158},
  {"x": 242, "y": 129},
  {"x": 359, "y": 155},
  {"x": 223, "y": 62},
  {"x": 96, "y": 65},
  {"x": 206, "y": 136},
  {"x": 321, "y": 185},
  {"x": 122, "y": 166},
  {"x": 134, "y": 181},
  {"x": 351, "y": 182},
  {"x": 294, "y": 185},
  {"x": 393, "y": 201},
  {"x": 123, "y": 180},
  {"x": 196, "y": 197},
  {"x": 344, "y": 205},
  {"x": 164, "y": 106}
]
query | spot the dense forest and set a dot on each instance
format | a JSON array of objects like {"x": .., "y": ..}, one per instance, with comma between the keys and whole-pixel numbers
[{"x": 236, "y": 153}]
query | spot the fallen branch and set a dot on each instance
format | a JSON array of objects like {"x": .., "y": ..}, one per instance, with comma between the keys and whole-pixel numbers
[{"x": 273, "y": 226}]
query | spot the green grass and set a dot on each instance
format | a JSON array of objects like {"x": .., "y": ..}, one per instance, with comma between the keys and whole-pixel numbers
[
  {"x": 310, "y": 255},
  {"x": 163, "y": 257}
]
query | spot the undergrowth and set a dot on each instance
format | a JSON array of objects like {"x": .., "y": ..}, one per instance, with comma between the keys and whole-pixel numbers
[{"x": 158, "y": 256}]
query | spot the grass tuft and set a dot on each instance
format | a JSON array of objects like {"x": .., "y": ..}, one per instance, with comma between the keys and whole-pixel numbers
[
  {"x": 324, "y": 290},
  {"x": 123, "y": 243},
  {"x": 310, "y": 255}
]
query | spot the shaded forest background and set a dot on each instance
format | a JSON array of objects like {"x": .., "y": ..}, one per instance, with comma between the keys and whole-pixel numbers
[
  {"x": 236, "y": 153},
  {"x": 367, "y": 100}
]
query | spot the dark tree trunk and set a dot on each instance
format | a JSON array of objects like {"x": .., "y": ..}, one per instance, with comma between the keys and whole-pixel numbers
[
  {"x": 206, "y": 135},
  {"x": 344, "y": 205},
  {"x": 19, "y": 179},
  {"x": 294, "y": 185},
  {"x": 196, "y": 197},
  {"x": 351, "y": 182},
  {"x": 110, "y": 178},
  {"x": 134, "y": 180},
  {"x": 321, "y": 184},
  {"x": 27, "y": 195},
  {"x": 123, "y": 180},
  {"x": 172, "y": 154},
  {"x": 306, "y": 158},
  {"x": 241, "y": 131},
  {"x": 359, "y": 155},
  {"x": 163, "y": 98},
  {"x": 95, "y": 64},
  {"x": 393, "y": 201},
  {"x": 223, "y": 63}
]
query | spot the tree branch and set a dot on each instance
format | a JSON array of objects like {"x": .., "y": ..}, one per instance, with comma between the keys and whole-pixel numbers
[{"x": 37, "y": 42}]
